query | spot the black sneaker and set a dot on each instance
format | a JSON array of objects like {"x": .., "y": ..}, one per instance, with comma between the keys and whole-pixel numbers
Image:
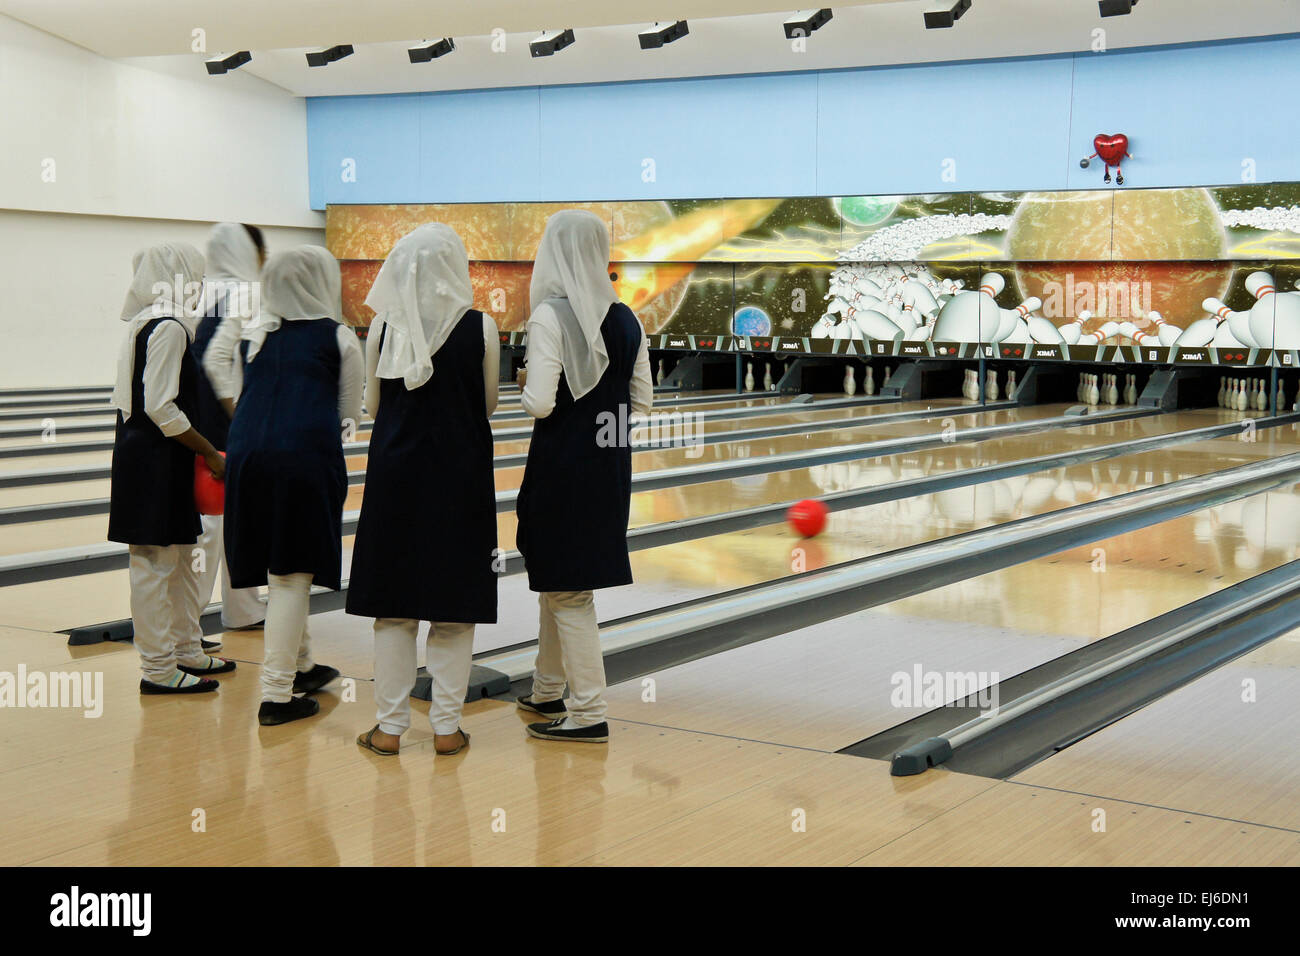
[
  {"x": 223, "y": 667},
  {"x": 202, "y": 687},
  {"x": 595, "y": 734},
  {"x": 209, "y": 646},
  {"x": 308, "y": 682},
  {"x": 550, "y": 708},
  {"x": 270, "y": 714}
]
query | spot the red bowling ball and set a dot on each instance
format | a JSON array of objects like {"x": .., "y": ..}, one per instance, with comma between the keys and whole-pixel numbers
[
  {"x": 807, "y": 517},
  {"x": 209, "y": 492}
]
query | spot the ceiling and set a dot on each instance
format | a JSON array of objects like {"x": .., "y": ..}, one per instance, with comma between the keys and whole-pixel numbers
[{"x": 156, "y": 34}]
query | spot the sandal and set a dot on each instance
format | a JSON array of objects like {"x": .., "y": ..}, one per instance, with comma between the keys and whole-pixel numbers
[
  {"x": 367, "y": 740},
  {"x": 461, "y": 746}
]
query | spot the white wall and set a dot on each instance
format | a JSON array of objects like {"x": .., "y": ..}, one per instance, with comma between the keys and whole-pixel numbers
[
  {"x": 100, "y": 157},
  {"x": 62, "y": 280}
]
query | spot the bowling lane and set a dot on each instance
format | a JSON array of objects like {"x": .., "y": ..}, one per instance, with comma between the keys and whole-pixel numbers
[
  {"x": 1206, "y": 748},
  {"x": 829, "y": 685},
  {"x": 965, "y": 417}
]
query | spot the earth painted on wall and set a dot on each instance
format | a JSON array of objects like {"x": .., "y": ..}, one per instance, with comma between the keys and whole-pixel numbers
[{"x": 751, "y": 320}]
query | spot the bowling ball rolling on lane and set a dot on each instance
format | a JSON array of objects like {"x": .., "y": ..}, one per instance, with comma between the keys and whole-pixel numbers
[{"x": 807, "y": 518}]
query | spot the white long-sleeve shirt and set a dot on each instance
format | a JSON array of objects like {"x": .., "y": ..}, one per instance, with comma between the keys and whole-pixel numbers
[
  {"x": 221, "y": 361},
  {"x": 352, "y": 375},
  {"x": 163, "y": 355},
  {"x": 491, "y": 366},
  {"x": 544, "y": 362}
]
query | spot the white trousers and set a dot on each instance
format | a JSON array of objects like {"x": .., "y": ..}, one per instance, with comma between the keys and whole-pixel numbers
[
  {"x": 165, "y": 609},
  {"x": 286, "y": 640},
  {"x": 240, "y": 607},
  {"x": 568, "y": 648},
  {"x": 449, "y": 652}
]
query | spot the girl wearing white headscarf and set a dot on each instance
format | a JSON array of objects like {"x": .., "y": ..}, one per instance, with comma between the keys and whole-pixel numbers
[
  {"x": 152, "y": 500},
  {"x": 430, "y": 490},
  {"x": 234, "y": 259},
  {"x": 588, "y": 370},
  {"x": 286, "y": 478}
]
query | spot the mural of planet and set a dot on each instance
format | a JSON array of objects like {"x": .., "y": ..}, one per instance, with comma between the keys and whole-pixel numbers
[
  {"x": 751, "y": 320},
  {"x": 865, "y": 210}
]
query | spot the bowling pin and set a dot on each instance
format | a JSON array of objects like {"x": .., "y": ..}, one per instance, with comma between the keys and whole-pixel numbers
[
  {"x": 1261, "y": 400},
  {"x": 1237, "y": 323},
  {"x": 1094, "y": 393},
  {"x": 1243, "y": 400},
  {"x": 1199, "y": 333},
  {"x": 1011, "y": 384},
  {"x": 1101, "y": 335},
  {"x": 1280, "y": 400},
  {"x": 868, "y": 383},
  {"x": 767, "y": 377},
  {"x": 1079, "y": 392},
  {"x": 659, "y": 379},
  {"x": 1274, "y": 319},
  {"x": 1131, "y": 390},
  {"x": 991, "y": 386},
  {"x": 1166, "y": 333},
  {"x": 749, "y": 376},
  {"x": 850, "y": 383},
  {"x": 888, "y": 370},
  {"x": 1112, "y": 393},
  {"x": 1071, "y": 331}
]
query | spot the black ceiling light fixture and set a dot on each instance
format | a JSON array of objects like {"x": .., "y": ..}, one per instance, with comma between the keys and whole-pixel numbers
[
  {"x": 329, "y": 55},
  {"x": 552, "y": 42},
  {"x": 225, "y": 62},
  {"x": 426, "y": 51},
  {"x": 940, "y": 19},
  {"x": 805, "y": 22},
  {"x": 1116, "y": 8},
  {"x": 657, "y": 35}
]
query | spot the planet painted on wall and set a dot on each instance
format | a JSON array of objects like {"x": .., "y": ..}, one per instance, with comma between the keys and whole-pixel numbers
[
  {"x": 865, "y": 210},
  {"x": 751, "y": 320},
  {"x": 1120, "y": 254}
]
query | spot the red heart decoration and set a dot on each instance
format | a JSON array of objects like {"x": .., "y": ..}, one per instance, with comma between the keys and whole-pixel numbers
[{"x": 1111, "y": 149}]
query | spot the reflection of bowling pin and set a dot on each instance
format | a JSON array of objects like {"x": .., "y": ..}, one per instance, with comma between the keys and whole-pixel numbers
[
  {"x": 868, "y": 383},
  {"x": 767, "y": 377},
  {"x": 850, "y": 383},
  {"x": 749, "y": 376}
]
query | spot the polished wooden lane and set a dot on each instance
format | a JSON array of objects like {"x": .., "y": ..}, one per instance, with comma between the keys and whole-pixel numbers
[{"x": 1223, "y": 746}]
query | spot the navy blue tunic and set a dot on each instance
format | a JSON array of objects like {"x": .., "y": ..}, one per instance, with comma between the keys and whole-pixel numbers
[
  {"x": 152, "y": 496},
  {"x": 428, "y": 528},
  {"x": 285, "y": 476},
  {"x": 573, "y": 503},
  {"x": 213, "y": 423}
]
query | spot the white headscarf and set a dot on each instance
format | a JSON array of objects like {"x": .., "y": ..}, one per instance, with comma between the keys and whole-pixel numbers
[
  {"x": 165, "y": 283},
  {"x": 573, "y": 264},
  {"x": 421, "y": 292},
  {"x": 233, "y": 266},
  {"x": 299, "y": 283}
]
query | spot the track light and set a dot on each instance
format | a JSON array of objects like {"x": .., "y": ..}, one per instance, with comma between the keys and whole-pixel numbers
[
  {"x": 657, "y": 36},
  {"x": 1116, "y": 8},
  {"x": 938, "y": 19},
  {"x": 224, "y": 63},
  {"x": 551, "y": 42},
  {"x": 327, "y": 56},
  {"x": 804, "y": 22},
  {"x": 431, "y": 51}
]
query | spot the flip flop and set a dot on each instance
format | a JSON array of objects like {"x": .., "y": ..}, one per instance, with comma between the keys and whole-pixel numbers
[
  {"x": 452, "y": 753},
  {"x": 367, "y": 740}
]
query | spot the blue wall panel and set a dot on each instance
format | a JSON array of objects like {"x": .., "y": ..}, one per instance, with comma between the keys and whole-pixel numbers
[{"x": 1193, "y": 113}]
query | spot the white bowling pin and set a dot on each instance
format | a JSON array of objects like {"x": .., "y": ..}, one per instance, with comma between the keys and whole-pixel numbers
[
  {"x": 1079, "y": 394},
  {"x": 1223, "y": 390},
  {"x": 659, "y": 380},
  {"x": 1094, "y": 393},
  {"x": 1131, "y": 390},
  {"x": 1280, "y": 400},
  {"x": 1243, "y": 400},
  {"x": 887, "y": 372},
  {"x": 1101, "y": 335},
  {"x": 767, "y": 377},
  {"x": 1011, "y": 384},
  {"x": 1237, "y": 323},
  {"x": 991, "y": 386},
  {"x": 749, "y": 376},
  {"x": 1199, "y": 333},
  {"x": 1261, "y": 399},
  {"x": 1274, "y": 319},
  {"x": 1166, "y": 333},
  {"x": 823, "y": 327},
  {"x": 1112, "y": 392},
  {"x": 868, "y": 383},
  {"x": 1071, "y": 331},
  {"x": 850, "y": 383}
]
